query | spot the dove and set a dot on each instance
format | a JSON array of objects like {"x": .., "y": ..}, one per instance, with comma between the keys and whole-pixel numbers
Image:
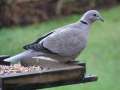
[{"x": 62, "y": 44}]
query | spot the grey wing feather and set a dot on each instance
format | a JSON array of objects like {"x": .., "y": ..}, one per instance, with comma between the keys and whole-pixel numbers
[{"x": 35, "y": 45}]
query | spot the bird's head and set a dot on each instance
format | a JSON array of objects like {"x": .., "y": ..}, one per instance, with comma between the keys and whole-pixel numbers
[{"x": 91, "y": 16}]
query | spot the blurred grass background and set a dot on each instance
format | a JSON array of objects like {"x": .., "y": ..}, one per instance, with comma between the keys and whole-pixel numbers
[{"x": 101, "y": 55}]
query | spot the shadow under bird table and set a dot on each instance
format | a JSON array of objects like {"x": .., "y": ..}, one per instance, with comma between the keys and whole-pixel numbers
[{"x": 65, "y": 74}]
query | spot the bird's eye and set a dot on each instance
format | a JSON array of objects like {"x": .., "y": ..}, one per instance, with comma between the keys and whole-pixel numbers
[{"x": 94, "y": 14}]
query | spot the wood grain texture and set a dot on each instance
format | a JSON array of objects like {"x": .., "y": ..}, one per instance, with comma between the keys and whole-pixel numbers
[
  {"x": 67, "y": 74},
  {"x": 62, "y": 74}
]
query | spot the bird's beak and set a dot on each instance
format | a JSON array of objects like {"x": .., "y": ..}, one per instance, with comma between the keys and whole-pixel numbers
[{"x": 101, "y": 18}]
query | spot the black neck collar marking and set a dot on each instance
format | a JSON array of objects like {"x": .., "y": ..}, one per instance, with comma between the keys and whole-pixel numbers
[{"x": 84, "y": 22}]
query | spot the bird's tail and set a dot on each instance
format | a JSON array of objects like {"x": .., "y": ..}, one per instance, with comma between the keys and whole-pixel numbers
[{"x": 21, "y": 56}]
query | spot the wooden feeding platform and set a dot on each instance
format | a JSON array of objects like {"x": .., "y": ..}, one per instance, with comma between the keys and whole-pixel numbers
[{"x": 65, "y": 74}]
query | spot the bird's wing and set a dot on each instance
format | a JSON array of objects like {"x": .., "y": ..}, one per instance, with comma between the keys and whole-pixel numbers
[
  {"x": 65, "y": 41},
  {"x": 35, "y": 44}
]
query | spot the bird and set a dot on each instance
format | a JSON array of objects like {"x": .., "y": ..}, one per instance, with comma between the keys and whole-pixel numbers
[{"x": 62, "y": 44}]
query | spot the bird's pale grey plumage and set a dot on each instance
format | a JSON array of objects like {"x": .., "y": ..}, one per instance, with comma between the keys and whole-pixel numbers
[{"x": 65, "y": 42}]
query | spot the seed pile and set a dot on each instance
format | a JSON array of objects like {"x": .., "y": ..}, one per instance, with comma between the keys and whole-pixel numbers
[{"x": 17, "y": 68}]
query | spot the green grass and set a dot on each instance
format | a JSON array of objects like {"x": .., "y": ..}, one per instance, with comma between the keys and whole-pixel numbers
[{"x": 102, "y": 54}]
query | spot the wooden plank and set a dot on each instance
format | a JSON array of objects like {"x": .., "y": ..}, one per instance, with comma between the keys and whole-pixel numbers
[
  {"x": 46, "y": 77},
  {"x": 55, "y": 84},
  {"x": 1, "y": 83},
  {"x": 57, "y": 75}
]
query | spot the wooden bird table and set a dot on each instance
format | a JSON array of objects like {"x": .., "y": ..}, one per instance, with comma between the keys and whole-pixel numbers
[{"x": 65, "y": 74}]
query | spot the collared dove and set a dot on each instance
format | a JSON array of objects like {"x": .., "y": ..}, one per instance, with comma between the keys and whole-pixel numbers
[{"x": 62, "y": 44}]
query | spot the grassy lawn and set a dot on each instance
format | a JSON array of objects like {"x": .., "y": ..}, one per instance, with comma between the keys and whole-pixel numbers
[{"x": 102, "y": 54}]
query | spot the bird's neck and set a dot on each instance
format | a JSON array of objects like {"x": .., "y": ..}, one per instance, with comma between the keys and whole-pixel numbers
[
  {"x": 84, "y": 22},
  {"x": 85, "y": 27},
  {"x": 87, "y": 22}
]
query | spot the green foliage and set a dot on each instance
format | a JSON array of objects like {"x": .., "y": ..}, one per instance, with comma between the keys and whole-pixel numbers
[{"x": 101, "y": 55}]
